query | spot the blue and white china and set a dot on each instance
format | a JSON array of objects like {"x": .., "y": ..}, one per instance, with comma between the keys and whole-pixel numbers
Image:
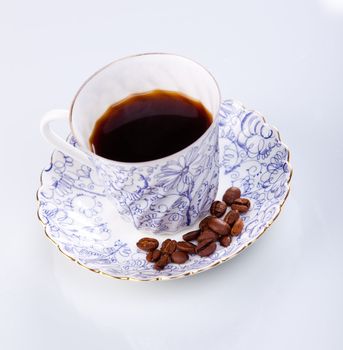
[
  {"x": 160, "y": 195},
  {"x": 79, "y": 218}
]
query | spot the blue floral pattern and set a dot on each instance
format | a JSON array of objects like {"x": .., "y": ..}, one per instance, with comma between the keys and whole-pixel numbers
[
  {"x": 166, "y": 196},
  {"x": 78, "y": 217}
]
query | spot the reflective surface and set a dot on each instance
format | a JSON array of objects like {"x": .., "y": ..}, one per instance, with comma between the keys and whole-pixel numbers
[{"x": 282, "y": 58}]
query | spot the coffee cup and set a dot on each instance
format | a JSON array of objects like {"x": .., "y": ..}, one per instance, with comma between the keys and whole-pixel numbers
[{"x": 161, "y": 195}]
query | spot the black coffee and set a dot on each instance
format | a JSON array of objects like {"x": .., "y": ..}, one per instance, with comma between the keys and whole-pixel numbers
[{"x": 149, "y": 126}]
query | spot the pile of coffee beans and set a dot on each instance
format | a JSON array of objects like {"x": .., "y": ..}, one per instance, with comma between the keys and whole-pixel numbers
[{"x": 218, "y": 227}]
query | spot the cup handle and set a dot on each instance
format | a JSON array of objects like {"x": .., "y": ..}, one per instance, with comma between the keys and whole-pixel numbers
[{"x": 56, "y": 140}]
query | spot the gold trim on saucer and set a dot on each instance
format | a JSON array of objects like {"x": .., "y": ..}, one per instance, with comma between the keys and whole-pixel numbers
[{"x": 192, "y": 272}]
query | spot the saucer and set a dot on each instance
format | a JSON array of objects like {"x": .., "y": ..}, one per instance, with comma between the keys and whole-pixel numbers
[{"x": 83, "y": 224}]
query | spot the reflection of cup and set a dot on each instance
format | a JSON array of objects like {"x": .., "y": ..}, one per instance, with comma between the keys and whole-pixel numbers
[{"x": 159, "y": 195}]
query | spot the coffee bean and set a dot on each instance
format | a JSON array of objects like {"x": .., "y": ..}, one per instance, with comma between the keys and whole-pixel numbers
[
  {"x": 162, "y": 262},
  {"x": 191, "y": 236},
  {"x": 164, "y": 243},
  {"x": 168, "y": 246},
  {"x": 149, "y": 256},
  {"x": 179, "y": 257},
  {"x": 231, "y": 217},
  {"x": 231, "y": 194},
  {"x": 203, "y": 222},
  {"x": 211, "y": 229},
  {"x": 186, "y": 247},
  {"x": 153, "y": 255},
  {"x": 241, "y": 204},
  {"x": 219, "y": 226},
  {"x": 225, "y": 241},
  {"x": 147, "y": 244},
  {"x": 206, "y": 247},
  {"x": 218, "y": 208},
  {"x": 237, "y": 227},
  {"x": 207, "y": 234}
]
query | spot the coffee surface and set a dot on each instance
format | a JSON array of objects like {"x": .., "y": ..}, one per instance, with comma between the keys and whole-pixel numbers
[{"x": 149, "y": 126}]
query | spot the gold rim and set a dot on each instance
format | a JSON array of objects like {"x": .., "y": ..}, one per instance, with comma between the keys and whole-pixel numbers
[{"x": 192, "y": 272}]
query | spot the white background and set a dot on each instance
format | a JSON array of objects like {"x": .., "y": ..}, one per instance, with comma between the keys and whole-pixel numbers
[{"x": 283, "y": 58}]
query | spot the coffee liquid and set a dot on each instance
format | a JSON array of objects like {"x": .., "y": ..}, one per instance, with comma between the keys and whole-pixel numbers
[{"x": 149, "y": 126}]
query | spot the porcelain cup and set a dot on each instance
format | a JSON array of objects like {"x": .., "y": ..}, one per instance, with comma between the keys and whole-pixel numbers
[{"x": 163, "y": 195}]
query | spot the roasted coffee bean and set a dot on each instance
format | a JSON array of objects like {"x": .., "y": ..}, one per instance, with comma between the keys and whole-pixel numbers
[
  {"x": 203, "y": 222},
  {"x": 231, "y": 217},
  {"x": 225, "y": 241},
  {"x": 164, "y": 243},
  {"x": 153, "y": 255},
  {"x": 241, "y": 204},
  {"x": 179, "y": 257},
  {"x": 219, "y": 226},
  {"x": 162, "y": 262},
  {"x": 168, "y": 246},
  {"x": 149, "y": 256},
  {"x": 218, "y": 208},
  {"x": 147, "y": 244},
  {"x": 206, "y": 247},
  {"x": 207, "y": 234},
  {"x": 187, "y": 247},
  {"x": 231, "y": 194},
  {"x": 191, "y": 236},
  {"x": 237, "y": 227}
]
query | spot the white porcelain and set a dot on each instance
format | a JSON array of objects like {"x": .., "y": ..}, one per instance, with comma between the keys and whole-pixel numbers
[{"x": 161, "y": 195}]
